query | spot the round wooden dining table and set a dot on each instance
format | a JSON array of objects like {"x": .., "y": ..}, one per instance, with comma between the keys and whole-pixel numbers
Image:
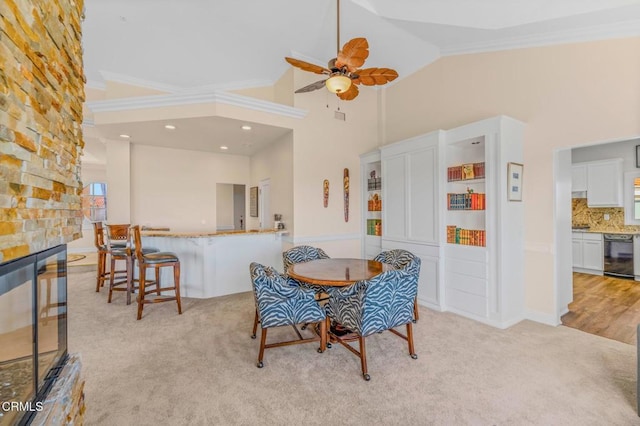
[{"x": 337, "y": 272}]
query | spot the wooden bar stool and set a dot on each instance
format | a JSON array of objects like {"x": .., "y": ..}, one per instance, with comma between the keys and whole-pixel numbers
[
  {"x": 103, "y": 251},
  {"x": 155, "y": 260},
  {"x": 119, "y": 248}
]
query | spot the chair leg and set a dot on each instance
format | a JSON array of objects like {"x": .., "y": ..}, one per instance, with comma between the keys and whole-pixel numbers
[
  {"x": 410, "y": 341},
  {"x": 263, "y": 341},
  {"x": 157, "y": 277},
  {"x": 111, "y": 278},
  {"x": 141, "y": 282},
  {"x": 101, "y": 268},
  {"x": 323, "y": 336},
  {"x": 176, "y": 278},
  {"x": 255, "y": 325},
  {"x": 416, "y": 314},
  {"x": 129, "y": 262},
  {"x": 363, "y": 359}
]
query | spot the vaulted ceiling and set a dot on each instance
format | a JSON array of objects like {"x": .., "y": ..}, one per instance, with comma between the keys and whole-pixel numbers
[{"x": 178, "y": 45}]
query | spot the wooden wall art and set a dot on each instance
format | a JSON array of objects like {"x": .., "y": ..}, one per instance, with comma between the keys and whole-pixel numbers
[
  {"x": 345, "y": 180},
  {"x": 325, "y": 193}
]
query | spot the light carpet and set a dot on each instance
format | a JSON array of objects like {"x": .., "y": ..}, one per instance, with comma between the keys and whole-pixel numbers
[{"x": 199, "y": 368}]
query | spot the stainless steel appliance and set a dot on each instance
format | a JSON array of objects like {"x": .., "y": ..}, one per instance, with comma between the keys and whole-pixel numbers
[{"x": 618, "y": 255}]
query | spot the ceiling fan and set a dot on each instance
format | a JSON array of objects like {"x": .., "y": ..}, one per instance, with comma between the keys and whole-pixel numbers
[{"x": 343, "y": 72}]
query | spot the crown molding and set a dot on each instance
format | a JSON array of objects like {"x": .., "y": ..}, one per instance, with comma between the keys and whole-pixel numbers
[
  {"x": 158, "y": 101},
  {"x": 600, "y": 32},
  {"x": 139, "y": 82},
  {"x": 93, "y": 84},
  {"x": 240, "y": 85}
]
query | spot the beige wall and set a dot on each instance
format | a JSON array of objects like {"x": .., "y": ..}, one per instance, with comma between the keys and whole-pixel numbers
[
  {"x": 276, "y": 164},
  {"x": 323, "y": 148},
  {"x": 177, "y": 188},
  {"x": 567, "y": 95}
]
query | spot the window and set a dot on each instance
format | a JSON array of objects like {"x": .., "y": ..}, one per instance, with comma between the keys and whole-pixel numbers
[{"x": 94, "y": 202}]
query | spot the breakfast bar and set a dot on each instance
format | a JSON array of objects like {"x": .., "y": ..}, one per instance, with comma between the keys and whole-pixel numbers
[{"x": 216, "y": 263}]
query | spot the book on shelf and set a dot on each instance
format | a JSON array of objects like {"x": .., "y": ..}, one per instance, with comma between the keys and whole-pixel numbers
[
  {"x": 466, "y": 201},
  {"x": 468, "y": 237},
  {"x": 467, "y": 171},
  {"x": 374, "y": 227}
]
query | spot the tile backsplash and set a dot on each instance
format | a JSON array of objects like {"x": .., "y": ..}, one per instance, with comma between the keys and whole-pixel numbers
[{"x": 594, "y": 217}]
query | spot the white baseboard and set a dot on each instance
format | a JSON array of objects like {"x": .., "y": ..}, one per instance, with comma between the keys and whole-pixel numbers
[{"x": 542, "y": 317}]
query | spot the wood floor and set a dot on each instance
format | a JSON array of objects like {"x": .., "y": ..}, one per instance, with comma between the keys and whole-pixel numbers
[{"x": 605, "y": 306}]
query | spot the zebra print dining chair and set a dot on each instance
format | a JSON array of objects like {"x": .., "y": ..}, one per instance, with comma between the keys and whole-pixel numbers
[
  {"x": 402, "y": 259},
  {"x": 279, "y": 303},
  {"x": 382, "y": 303}
]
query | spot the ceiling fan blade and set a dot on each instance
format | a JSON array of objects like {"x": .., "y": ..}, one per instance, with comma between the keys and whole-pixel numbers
[
  {"x": 353, "y": 54},
  {"x": 375, "y": 76},
  {"x": 350, "y": 94},
  {"x": 306, "y": 66},
  {"x": 311, "y": 87}
]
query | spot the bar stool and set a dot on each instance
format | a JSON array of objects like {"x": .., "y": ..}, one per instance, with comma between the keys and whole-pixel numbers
[
  {"x": 119, "y": 248},
  {"x": 101, "y": 246},
  {"x": 155, "y": 260}
]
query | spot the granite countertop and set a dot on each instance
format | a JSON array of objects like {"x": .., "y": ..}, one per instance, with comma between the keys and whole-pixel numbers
[
  {"x": 204, "y": 234},
  {"x": 605, "y": 231}
]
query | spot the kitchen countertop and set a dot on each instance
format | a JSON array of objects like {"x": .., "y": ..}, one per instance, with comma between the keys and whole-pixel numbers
[
  {"x": 604, "y": 231},
  {"x": 204, "y": 234}
]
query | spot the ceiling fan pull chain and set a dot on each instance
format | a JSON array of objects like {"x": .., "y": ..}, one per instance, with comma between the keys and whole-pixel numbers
[{"x": 338, "y": 29}]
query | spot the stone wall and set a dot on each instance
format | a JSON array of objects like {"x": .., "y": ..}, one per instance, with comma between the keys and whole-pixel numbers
[{"x": 41, "y": 97}]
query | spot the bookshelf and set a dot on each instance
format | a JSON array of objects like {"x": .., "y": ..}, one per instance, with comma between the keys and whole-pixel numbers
[
  {"x": 466, "y": 196},
  {"x": 372, "y": 205}
]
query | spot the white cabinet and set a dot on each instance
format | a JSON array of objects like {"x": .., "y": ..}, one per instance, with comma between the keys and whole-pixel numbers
[
  {"x": 411, "y": 193},
  {"x": 587, "y": 249},
  {"x": 579, "y": 178},
  {"x": 476, "y": 274},
  {"x": 576, "y": 249},
  {"x": 410, "y": 190},
  {"x": 484, "y": 250},
  {"x": 604, "y": 183}
]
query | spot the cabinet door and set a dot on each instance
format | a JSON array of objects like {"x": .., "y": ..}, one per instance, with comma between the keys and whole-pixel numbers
[
  {"x": 604, "y": 184},
  {"x": 394, "y": 197},
  {"x": 592, "y": 256},
  {"x": 423, "y": 196},
  {"x": 576, "y": 251},
  {"x": 428, "y": 281},
  {"x": 579, "y": 178}
]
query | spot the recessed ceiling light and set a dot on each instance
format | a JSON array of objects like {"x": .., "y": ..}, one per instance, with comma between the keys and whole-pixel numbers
[
  {"x": 246, "y": 127},
  {"x": 125, "y": 136},
  {"x": 224, "y": 147},
  {"x": 170, "y": 127}
]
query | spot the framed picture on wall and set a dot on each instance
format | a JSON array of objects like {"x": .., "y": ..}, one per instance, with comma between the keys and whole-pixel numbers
[
  {"x": 514, "y": 181},
  {"x": 253, "y": 201},
  {"x": 637, "y": 156}
]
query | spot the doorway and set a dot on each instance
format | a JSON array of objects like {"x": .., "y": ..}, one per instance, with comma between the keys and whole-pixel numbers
[
  {"x": 230, "y": 207},
  {"x": 596, "y": 304},
  {"x": 264, "y": 204}
]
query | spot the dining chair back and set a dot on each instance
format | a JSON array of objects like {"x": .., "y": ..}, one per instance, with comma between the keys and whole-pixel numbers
[
  {"x": 279, "y": 302},
  {"x": 382, "y": 303},
  {"x": 405, "y": 260},
  {"x": 301, "y": 254}
]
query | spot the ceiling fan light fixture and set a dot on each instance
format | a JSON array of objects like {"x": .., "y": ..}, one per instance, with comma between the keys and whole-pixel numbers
[{"x": 338, "y": 83}]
